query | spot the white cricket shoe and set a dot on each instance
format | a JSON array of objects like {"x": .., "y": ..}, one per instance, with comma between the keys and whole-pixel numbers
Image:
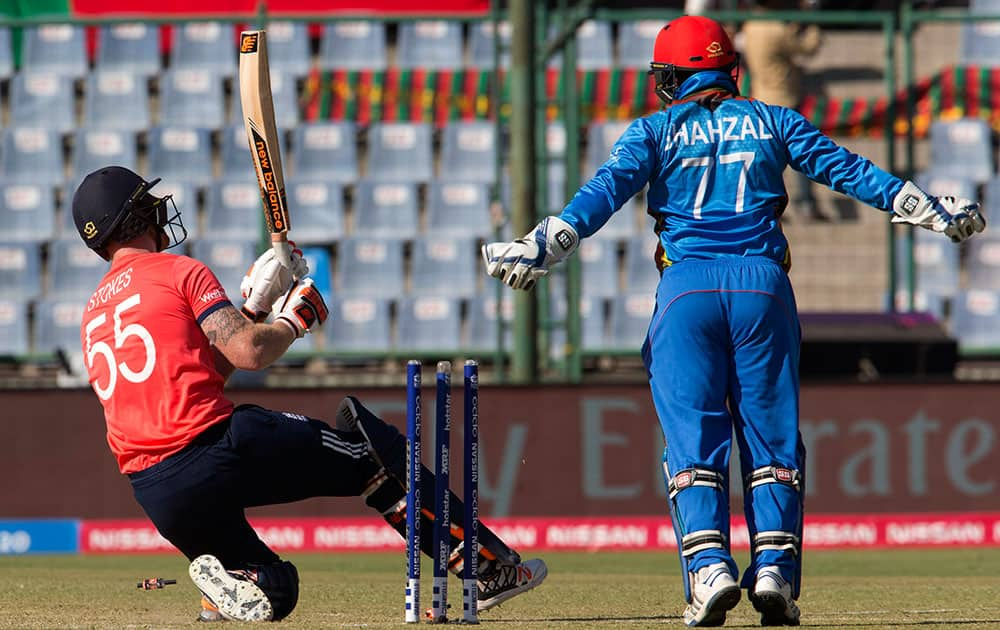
[
  {"x": 235, "y": 594},
  {"x": 772, "y": 598},
  {"x": 509, "y": 581},
  {"x": 713, "y": 592}
]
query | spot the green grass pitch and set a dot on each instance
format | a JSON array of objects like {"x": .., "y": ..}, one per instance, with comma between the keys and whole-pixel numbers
[{"x": 951, "y": 588}]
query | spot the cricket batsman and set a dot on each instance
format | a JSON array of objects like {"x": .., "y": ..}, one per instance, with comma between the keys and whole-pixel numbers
[
  {"x": 722, "y": 348},
  {"x": 160, "y": 338}
]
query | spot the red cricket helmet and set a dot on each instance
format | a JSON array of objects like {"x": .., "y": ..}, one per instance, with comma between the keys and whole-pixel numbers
[{"x": 689, "y": 44}]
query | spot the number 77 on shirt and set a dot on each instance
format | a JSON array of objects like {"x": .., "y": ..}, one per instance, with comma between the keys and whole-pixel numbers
[{"x": 262, "y": 133}]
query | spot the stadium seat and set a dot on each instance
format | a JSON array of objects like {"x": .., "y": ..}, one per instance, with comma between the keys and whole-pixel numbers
[
  {"x": 924, "y": 302},
  {"x": 980, "y": 39},
  {"x": 962, "y": 149},
  {"x": 318, "y": 259},
  {"x": 55, "y": 48},
  {"x": 284, "y": 96},
  {"x": 991, "y": 199},
  {"x": 386, "y": 209},
  {"x": 635, "y": 43},
  {"x": 944, "y": 185},
  {"x": 601, "y": 136},
  {"x": 75, "y": 270},
  {"x": 326, "y": 151},
  {"x": 186, "y": 199},
  {"x": 288, "y": 51},
  {"x": 318, "y": 215},
  {"x": 593, "y": 50},
  {"x": 982, "y": 262},
  {"x": 482, "y": 320},
  {"x": 237, "y": 162},
  {"x": 481, "y": 44},
  {"x": 370, "y": 267},
  {"x": 621, "y": 224},
  {"x": 358, "y": 324},
  {"x": 6, "y": 54},
  {"x": 182, "y": 154},
  {"x": 400, "y": 152},
  {"x": 20, "y": 270},
  {"x": 191, "y": 97},
  {"x": 14, "y": 340},
  {"x": 430, "y": 45},
  {"x": 116, "y": 100},
  {"x": 449, "y": 266},
  {"x": 353, "y": 45},
  {"x": 42, "y": 100},
  {"x": 94, "y": 149},
  {"x": 593, "y": 335},
  {"x": 228, "y": 259},
  {"x": 27, "y": 211},
  {"x": 630, "y": 315},
  {"x": 468, "y": 152},
  {"x": 976, "y": 320},
  {"x": 232, "y": 211},
  {"x": 129, "y": 47},
  {"x": 641, "y": 274},
  {"x": 33, "y": 155},
  {"x": 458, "y": 209},
  {"x": 204, "y": 46},
  {"x": 598, "y": 267},
  {"x": 936, "y": 262},
  {"x": 57, "y": 325},
  {"x": 429, "y": 324}
]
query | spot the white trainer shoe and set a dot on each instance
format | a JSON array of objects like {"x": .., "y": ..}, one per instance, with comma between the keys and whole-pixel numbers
[
  {"x": 772, "y": 598},
  {"x": 236, "y": 596},
  {"x": 509, "y": 581},
  {"x": 713, "y": 593}
]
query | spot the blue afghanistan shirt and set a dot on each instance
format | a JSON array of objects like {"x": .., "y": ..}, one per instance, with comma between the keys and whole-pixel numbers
[{"x": 715, "y": 175}]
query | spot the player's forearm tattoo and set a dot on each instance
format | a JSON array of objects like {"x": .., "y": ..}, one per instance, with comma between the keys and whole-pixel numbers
[{"x": 223, "y": 324}]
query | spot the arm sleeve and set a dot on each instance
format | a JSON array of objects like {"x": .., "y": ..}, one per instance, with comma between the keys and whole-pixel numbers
[
  {"x": 623, "y": 175},
  {"x": 822, "y": 160},
  {"x": 199, "y": 286}
]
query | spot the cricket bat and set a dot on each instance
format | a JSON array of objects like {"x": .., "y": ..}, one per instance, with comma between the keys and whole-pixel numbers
[{"x": 262, "y": 133}]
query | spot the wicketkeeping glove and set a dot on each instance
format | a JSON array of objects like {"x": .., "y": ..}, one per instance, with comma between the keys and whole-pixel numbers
[
  {"x": 958, "y": 218},
  {"x": 301, "y": 308},
  {"x": 521, "y": 263},
  {"x": 267, "y": 280}
]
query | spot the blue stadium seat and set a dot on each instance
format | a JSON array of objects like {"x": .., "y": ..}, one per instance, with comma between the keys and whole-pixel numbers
[
  {"x": 181, "y": 154},
  {"x": 186, "y": 199},
  {"x": 601, "y": 136},
  {"x": 400, "y": 152},
  {"x": 318, "y": 215},
  {"x": 593, "y": 335},
  {"x": 6, "y": 54},
  {"x": 621, "y": 225},
  {"x": 962, "y": 149},
  {"x": 430, "y": 324},
  {"x": 982, "y": 262},
  {"x": 358, "y": 324},
  {"x": 468, "y": 151},
  {"x": 56, "y": 48},
  {"x": 288, "y": 50},
  {"x": 370, "y": 267},
  {"x": 191, "y": 97},
  {"x": 14, "y": 339},
  {"x": 42, "y": 100},
  {"x": 924, "y": 302},
  {"x": 483, "y": 316},
  {"x": 593, "y": 50},
  {"x": 458, "y": 209},
  {"x": 944, "y": 185},
  {"x": 481, "y": 44},
  {"x": 237, "y": 163},
  {"x": 33, "y": 155},
  {"x": 936, "y": 262},
  {"x": 284, "y": 96},
  {"x": 630, "y": 315},
  {"x": 980, "y": 40},
  {"x": 74, "y": 269},
  {"x": 326, "y": 151},
  {"x": 430, "y": 45},
  {"x": 95, "y": 148},
  {"x": 976, "y": 320},
  {"x": 116, "y": 100},
  {"x": 353, "y": 45},
  {"x": 129, "y": 47},
  {"x": 598, "y": 267},
  {"x": 448, "y": 267},
  {"x": 27, "y": 211},
  {"x": 204, "y": 46},
  {"x": 318, "y": 259},
  {"x": 991, "y": 199},
  {"x": 635, "y": 43},
  {"x": 57, "y": 325},
  {"x": 386, "y": 209},
  {"x": 20, "y": 270},
  {"x": 641, "y": 274},
  {"x": 229, "y": 260},
  {"x": 232, "y": 210}
]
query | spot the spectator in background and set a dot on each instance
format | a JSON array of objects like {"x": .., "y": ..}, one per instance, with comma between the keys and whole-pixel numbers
[{"x": 771, "y": 48}]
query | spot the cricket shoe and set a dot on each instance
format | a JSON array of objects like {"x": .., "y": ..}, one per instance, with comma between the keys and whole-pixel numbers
[
  {"x": 772, "y": 598},
  {"x": 713, "y": 593},
  {"x": 234, "y": 593},
  {"x": 510, "y": 580}
]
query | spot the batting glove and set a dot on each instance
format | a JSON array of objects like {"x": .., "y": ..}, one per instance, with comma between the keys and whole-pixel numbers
[
  {"x": 521, "y": 263},
  {"x": 267, "y": 280},
  {"x": 957, "y": 218},
  {"x": 301, "y": 308}
]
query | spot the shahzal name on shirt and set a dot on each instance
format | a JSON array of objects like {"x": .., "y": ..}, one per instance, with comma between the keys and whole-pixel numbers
[{"x": 725, "y": 129}]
